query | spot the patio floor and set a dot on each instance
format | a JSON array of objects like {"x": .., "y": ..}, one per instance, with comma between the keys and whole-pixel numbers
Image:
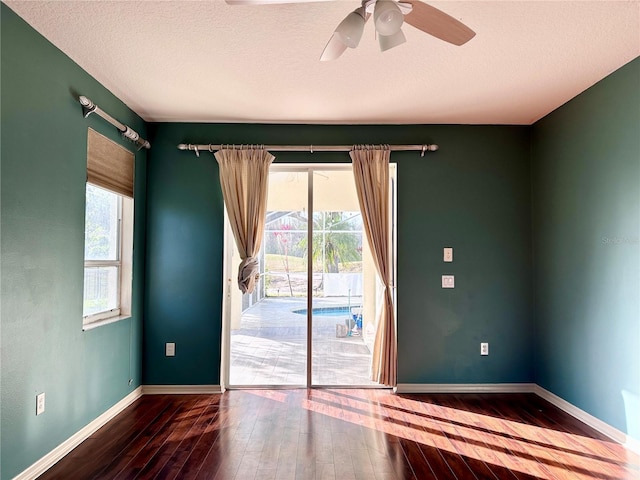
[{"x": 270, "y": 346}]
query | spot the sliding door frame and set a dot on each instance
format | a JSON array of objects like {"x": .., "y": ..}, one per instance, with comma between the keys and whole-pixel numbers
[{"x": 228, "y": 276}]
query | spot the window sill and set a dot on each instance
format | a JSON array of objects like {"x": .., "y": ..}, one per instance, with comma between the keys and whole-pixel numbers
[{"x": 104, "y": 321}]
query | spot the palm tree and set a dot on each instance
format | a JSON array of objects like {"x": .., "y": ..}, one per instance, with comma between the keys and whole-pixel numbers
[{"x": 336, "y": 239}]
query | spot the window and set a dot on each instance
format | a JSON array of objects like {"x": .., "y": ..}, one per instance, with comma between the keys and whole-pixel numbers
[{"x": 108, "y": 241}]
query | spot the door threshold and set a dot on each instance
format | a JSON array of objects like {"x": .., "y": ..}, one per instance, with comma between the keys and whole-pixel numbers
[{"x": 303, "y": 387}]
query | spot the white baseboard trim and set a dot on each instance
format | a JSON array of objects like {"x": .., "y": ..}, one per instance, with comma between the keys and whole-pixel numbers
[
  {"x": 595, "y": 423},
  {"x": 50, "y": 459},
  {"x": 181, "y": 389},
  {"x": 465, "y": 388}
]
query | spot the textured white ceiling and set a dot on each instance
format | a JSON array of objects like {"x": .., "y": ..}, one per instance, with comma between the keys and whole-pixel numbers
[{"x": 211, "y": 62}]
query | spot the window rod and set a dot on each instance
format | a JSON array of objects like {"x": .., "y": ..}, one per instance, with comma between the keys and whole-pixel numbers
[
  {"x": 88, "y": 107},
  {"x": 309, "y": 148}
]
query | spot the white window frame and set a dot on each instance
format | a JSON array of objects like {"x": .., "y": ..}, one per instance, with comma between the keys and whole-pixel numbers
[{"x": 123, "y": 263}]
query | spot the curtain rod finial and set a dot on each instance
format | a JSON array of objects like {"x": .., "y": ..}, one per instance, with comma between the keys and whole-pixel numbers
[{"x": 88, "y": 107}]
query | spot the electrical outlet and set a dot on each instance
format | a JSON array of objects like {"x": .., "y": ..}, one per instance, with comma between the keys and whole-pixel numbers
[
  {"x": 170, "y": 349},
  {"x": 40, "y": 403},
  {"x": 448, "y": 254},
  {"x": 448, "y": 281},
  {"x": 484, "y": 349}
]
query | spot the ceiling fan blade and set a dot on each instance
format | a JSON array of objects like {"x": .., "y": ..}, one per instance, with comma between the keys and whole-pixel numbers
[
  {"x": 270, "y": 2},
  {"x": 334, "y": 48},
  {"x": 437, "y": 23}
]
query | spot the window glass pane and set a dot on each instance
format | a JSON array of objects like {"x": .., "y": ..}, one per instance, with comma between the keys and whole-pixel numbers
[
  {"x": 284, "y": 258},
  {"x": 100, "y": 290},
  {"x": 337, "y": 242},
  {"x": 101, "y": 227}
]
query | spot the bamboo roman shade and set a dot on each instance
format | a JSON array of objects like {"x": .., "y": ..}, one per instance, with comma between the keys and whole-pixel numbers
[{"x": 109, "y": 165}]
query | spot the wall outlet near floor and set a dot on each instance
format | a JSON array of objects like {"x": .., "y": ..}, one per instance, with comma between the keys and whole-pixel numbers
[
  {"x": 170, "y": 349},
  {"x": 40, "y": 403},
  {"x": 448, "y": 254},
  {"x": 448, "y": 281},
  {"x": 484, "y": 349}
]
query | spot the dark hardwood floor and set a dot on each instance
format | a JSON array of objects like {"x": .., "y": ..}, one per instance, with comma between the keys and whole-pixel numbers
[{"x": 345, "y": 434}]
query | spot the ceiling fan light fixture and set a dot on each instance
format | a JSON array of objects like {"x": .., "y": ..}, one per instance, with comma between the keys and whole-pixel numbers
[
  {"x": 351, "y": 28},
  {"x": 387, "y": 42},
  {"x": 388, "y": 17}
]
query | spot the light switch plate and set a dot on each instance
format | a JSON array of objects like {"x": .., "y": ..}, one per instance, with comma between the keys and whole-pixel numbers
[
  {"x": 448, "y": 281},
  {"x": 40, "y": 403},
  {"x": 170, "y": 349},
  {"x": 484, "y": 349},
  {"x": 448, "y": 254}
]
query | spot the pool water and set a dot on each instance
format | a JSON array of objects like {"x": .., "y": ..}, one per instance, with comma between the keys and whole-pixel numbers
[{"x": 327, "y": 311}]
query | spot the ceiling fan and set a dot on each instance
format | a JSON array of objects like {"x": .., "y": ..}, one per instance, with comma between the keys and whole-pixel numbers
[{"x": 388, "y": 16}]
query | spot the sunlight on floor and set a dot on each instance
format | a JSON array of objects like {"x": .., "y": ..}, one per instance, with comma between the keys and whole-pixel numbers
[{"x": 545, "y": 453}]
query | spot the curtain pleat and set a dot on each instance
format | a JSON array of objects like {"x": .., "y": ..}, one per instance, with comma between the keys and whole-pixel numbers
[
  {"x": 244, "y": 175},
  {"x": 371, "y": 172}
]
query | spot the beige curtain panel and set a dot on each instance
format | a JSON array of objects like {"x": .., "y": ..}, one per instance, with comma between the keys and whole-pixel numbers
[
  {"x": 244, "y": 175},
  {"x": 371, "y": 172},
  {"x": 109, "y": 165}
]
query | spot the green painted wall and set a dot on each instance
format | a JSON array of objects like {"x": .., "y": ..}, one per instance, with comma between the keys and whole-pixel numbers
[
  {"x": 583, "y": 162},
  {"x": 586, "y": 224},
  {"x": 473, "y": 194},
  {"x": 184, "y": 265},
  {"x": 43, "y": 170}
]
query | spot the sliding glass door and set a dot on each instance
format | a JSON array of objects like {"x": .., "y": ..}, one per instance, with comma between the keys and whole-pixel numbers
[
  {"x": 341, "y": 340},
  {"x": 268, "y": 335},
  {"x": 311, "y": 321}
]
